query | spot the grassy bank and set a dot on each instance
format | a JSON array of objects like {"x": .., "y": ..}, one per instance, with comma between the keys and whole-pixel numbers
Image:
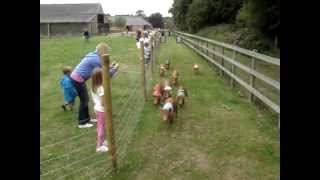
[{"x": 243, "y": 37}]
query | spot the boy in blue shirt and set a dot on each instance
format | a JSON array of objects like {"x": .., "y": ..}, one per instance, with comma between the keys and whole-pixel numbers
[{"x": 69, "y": 91}]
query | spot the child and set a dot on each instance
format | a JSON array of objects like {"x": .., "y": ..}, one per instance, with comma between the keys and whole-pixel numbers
[
  {"x": 69, "y": 92},
  {"x": 97, "y": 93},
  {"x": 147, "y": 52}
]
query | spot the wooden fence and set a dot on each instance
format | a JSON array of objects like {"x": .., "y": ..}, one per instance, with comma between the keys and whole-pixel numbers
[{"x": 221, "y": 54}]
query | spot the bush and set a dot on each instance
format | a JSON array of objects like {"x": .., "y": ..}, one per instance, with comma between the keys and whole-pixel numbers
[{"x": 248, "y": 38}]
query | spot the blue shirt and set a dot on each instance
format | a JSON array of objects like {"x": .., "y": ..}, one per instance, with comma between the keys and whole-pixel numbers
[
  {"x": 69, "y": 91},
  {"x": 87, "y": 64}
]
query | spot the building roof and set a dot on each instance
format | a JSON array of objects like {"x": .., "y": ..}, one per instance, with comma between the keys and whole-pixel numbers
[
  {"x": 134, "y": 21},
  {"x": 58, "y": 13}
]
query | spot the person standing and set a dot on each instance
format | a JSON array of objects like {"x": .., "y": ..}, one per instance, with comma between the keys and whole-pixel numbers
[
  {"x": 81, "y": 74},
  {"x": 86, "y": 35}
]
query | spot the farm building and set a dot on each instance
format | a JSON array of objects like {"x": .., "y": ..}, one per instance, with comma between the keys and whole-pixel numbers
[
  {"x": 72, "y": 19},
  {"x": 134, "y": 23}
]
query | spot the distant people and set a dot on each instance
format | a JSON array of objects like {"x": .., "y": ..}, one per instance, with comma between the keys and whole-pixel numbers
[
  {"x": 86, "y": 35},
  {"x": 81, "y": 74},
  {"x": 138, "y": 36},
  {"x": 69, "y": 92},
  {"x": 162, "y": 33}
]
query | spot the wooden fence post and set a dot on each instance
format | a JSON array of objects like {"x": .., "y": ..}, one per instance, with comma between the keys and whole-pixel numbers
[
  {"x": 279, "y": 121},
  {"x": 143, "y": 74},
  {"x": 49, "y": 32},
  {"x": 222, "y": 61},
  {"x": 207, "y": 48},
  {"x": 108, "y": 108},
  {"x": 151, "y": 55},
  {"x": 252, "y": 79},
  {"x": 234, "y": 55}
]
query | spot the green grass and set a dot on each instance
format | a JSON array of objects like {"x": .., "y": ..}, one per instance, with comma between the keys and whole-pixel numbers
[{"x": 207, "y": 141}]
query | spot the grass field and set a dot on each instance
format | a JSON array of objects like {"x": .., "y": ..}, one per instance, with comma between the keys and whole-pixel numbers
[{"x": 218, "y": 135}]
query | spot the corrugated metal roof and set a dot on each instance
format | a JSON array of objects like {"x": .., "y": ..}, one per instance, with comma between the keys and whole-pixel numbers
[
  {"x": 57, "y": 13},
  {"x": 133, "y": 20},
  {"x": 136, "y": 21}
]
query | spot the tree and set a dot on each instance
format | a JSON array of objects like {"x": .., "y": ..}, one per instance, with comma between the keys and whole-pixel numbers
[
  {"x": 197, "y": 15},
  {"x": 191, "y": 15},
  {"x": 119, "y": 21},
  {"x": 141, "y": 14},
  {"x": 168, "y": 23},
  {"x": 156, "y": 20},
  {"x": 262, "y": 15}
]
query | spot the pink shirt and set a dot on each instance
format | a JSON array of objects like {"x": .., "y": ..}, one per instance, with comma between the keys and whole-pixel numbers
[{"x": 75, "y": 76}]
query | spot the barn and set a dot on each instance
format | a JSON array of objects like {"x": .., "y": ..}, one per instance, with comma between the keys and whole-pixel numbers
[
  {"x": 134, "y": 23},
  {"x": 72, "y": 19}
]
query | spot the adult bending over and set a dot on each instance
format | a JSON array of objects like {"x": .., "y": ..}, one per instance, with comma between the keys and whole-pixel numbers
[{"x": 81, "y": 74}]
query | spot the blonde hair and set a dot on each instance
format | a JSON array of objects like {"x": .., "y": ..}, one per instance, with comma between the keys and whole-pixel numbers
[
  {"x": 96, "y": 79},
  {"x": 102, "y": 48}
]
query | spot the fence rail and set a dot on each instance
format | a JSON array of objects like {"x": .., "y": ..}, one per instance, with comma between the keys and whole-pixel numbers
[{"x": 201, "y": 46}]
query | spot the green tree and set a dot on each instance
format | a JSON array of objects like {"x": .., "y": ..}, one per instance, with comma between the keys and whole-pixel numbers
[
  {"x": 197, "y": 15},
  {"x": 168, "y": 23},
  {"x": 156, "y": 20},
  {"x": 141, "y": 14},
  {"x": 179, "y": 11},
  {"x": 191, "y": 15},
  {"x": 263, "y": 15},
  {"x": 119, "y": 21}
]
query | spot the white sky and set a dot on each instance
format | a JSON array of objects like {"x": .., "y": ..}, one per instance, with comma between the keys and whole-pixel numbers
[{"x": 115, "y": 7}]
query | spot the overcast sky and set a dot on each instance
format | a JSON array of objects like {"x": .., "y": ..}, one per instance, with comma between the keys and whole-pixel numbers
[{"x": 115, "y": 7}]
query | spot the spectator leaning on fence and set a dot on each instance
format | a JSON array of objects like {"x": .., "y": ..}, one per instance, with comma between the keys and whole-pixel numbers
[
  {"x": 147, "y": 46},
  {"x": 138, "y": 35},
  {"x": 81, "y": 74}
]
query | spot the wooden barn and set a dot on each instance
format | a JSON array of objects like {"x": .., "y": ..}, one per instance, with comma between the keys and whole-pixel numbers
[
  {"x": 134, "y": 23},
  {"x": 72, "y": 19}
]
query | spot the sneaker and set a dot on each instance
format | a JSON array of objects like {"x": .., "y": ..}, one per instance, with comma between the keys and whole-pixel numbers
[
  {"x": 87, "y": 125},
  {"x": 102, "y": 149},
  {"x": 93, "y": 120},
  {"x": 63, "y": 107}
]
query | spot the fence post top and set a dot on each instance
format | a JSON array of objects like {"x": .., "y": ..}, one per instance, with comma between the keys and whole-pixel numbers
[{"x": 105, "y": 58}]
